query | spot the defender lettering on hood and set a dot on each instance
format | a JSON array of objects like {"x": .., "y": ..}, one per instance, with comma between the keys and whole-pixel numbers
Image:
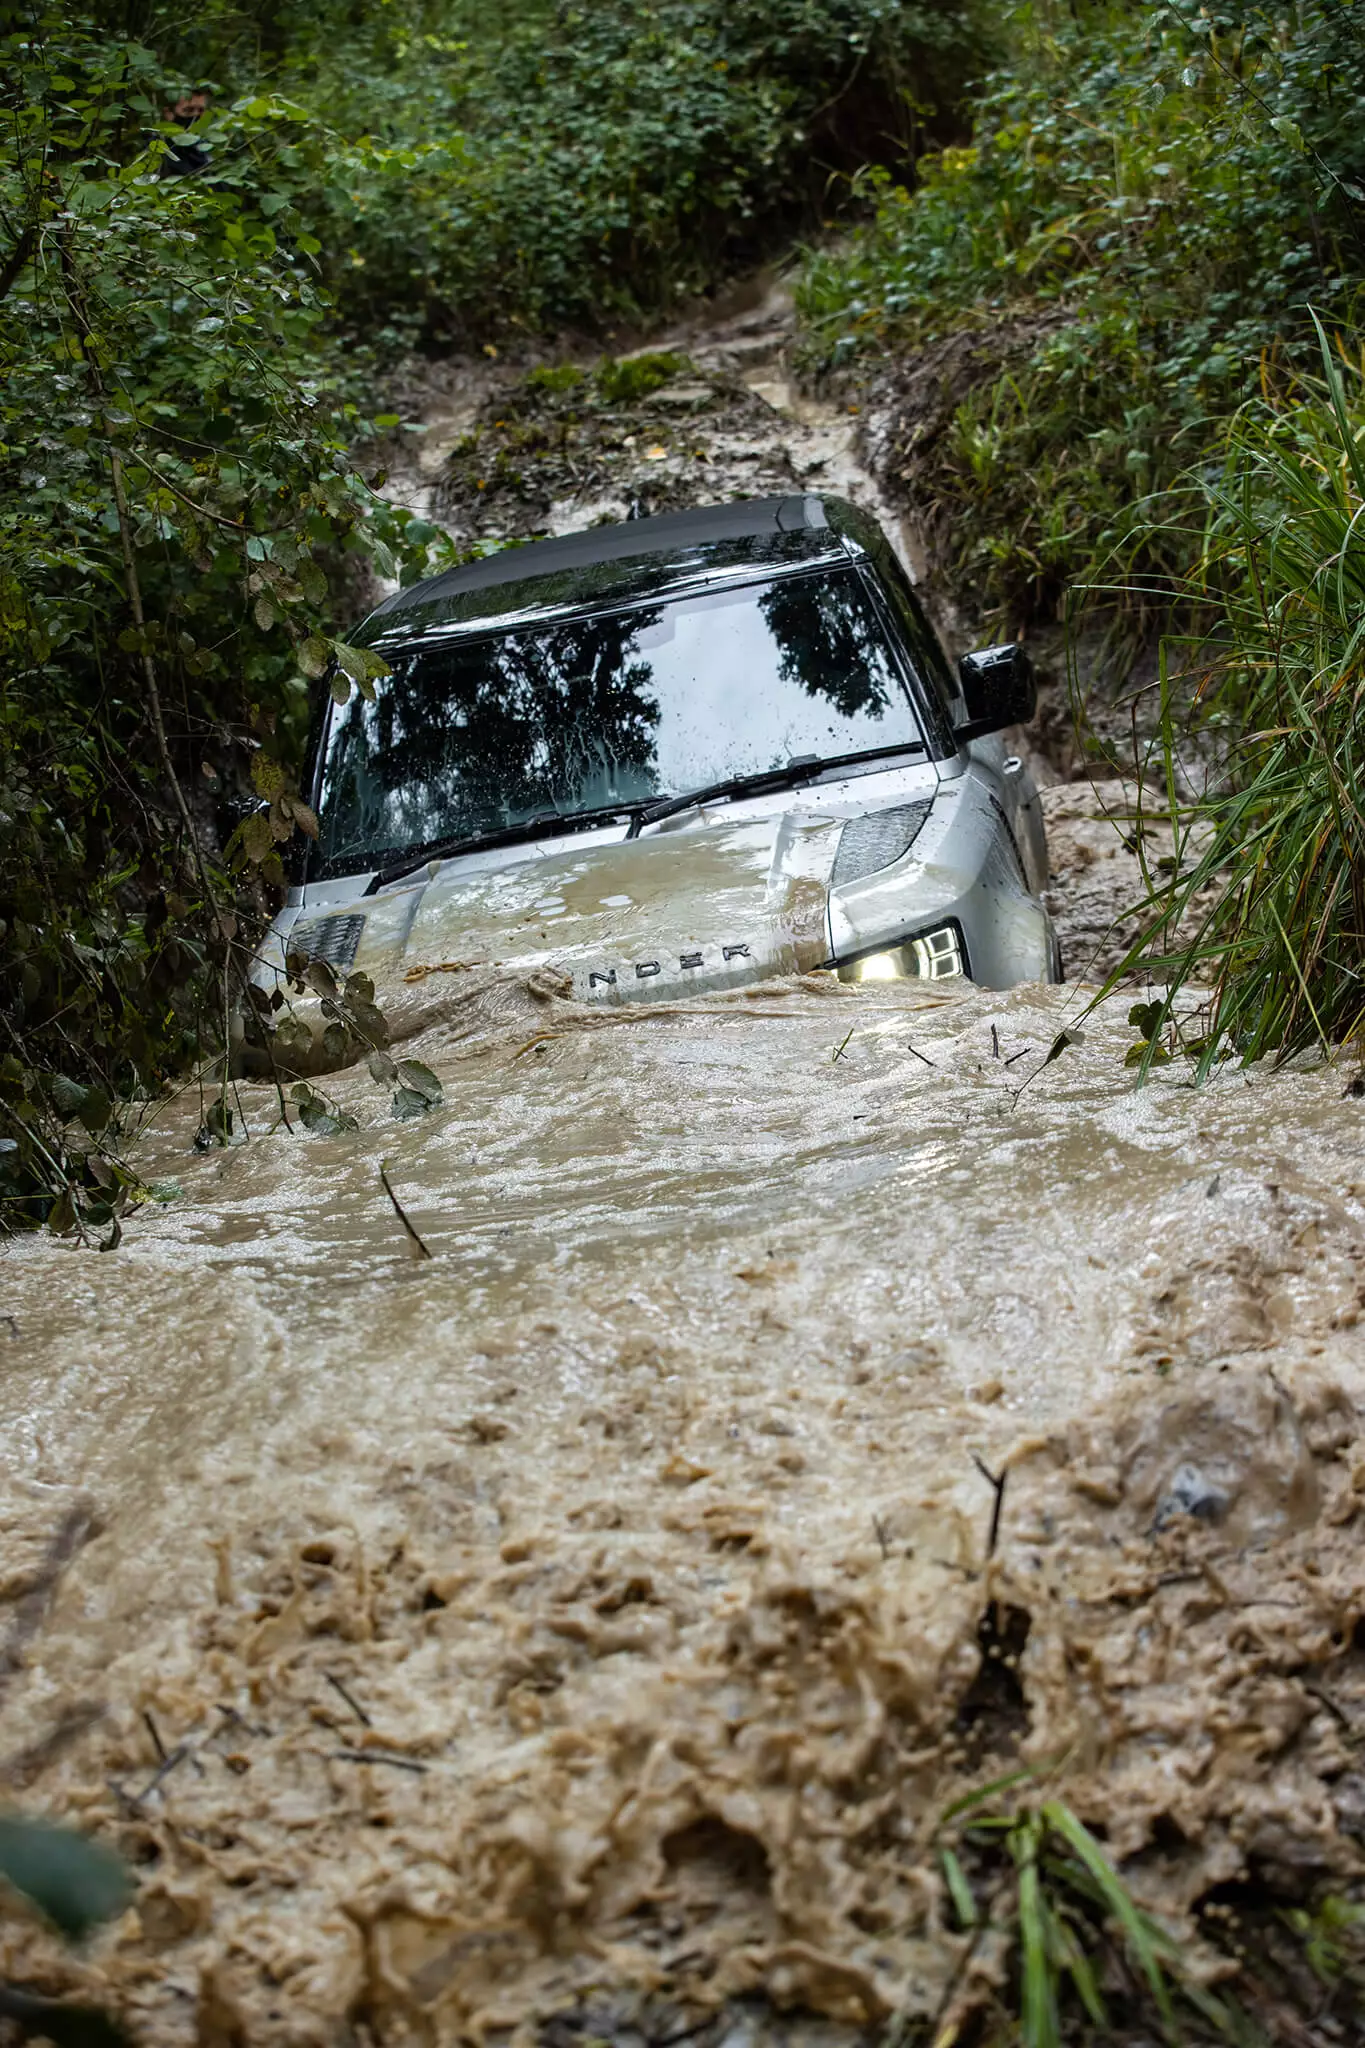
[{"x": 705, "y": 965}]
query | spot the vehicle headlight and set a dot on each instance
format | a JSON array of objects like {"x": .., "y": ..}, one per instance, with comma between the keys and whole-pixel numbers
[{"x": 932, "y": 956}]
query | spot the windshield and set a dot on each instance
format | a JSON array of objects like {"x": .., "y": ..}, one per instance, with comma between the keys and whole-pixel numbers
[{"x": 614, "y": 709}]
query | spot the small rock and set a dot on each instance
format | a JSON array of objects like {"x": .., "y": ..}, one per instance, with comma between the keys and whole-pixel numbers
[{"x": 1192, "y": 1493}]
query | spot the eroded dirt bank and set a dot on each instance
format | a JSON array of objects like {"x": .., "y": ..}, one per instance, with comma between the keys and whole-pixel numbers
[{"x": 604, "y": 1605}]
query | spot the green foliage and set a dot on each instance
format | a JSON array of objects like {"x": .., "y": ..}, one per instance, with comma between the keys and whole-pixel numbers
[
  {"x": 182, "y": 516},
  {"x": 1332, "y": 1932},
  {"x": 75, "y": 1882},
  {"x": 1266, "y": 899},
  {"x": 628, "y": 379},
  {"x": 538, "y": 164},
  {"x": 1039, "y": 1871},
  {"x": 1149, "y": 196}
]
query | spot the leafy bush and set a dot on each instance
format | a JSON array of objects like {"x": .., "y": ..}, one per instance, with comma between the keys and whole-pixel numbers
[
  {"x": 570, "y": 163},
  {"x": 1154, "y": 191},
  {"x": 181, "y": 521}
]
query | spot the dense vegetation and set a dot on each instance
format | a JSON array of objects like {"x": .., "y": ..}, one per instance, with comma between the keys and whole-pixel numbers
[
  {"x": 213, "y": 234},
  {"x": 1149, "y": 198},
  {"x": 1108, "y": 296}
]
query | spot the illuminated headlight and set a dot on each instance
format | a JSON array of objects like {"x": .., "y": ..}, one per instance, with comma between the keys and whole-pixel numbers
[{"x": 933, "y": 956}]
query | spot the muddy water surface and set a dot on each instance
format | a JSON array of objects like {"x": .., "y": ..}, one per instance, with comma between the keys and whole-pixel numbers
[
  {"x": 598, "y": 1616},
  {"x": 606, "y": 1599}
]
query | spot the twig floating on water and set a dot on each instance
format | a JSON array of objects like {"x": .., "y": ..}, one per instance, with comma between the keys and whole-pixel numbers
[
  {"x": 155, "y": 1733},
  {"x": 919, "y": 1055},
  {"x": 353, "y": 1704},
  {"x": 541, "y": 1038},
  {"x": 839, "y": 1049},
  {"x": 401, "y": 1213},
  {"x": 997, "y": 1480},
  {"x": 879, "y": 1528},
  {"x": 995, "y": 1043},
  {"x": 378, "y": 1756},
  {"x": 1018, "y": 1055}
]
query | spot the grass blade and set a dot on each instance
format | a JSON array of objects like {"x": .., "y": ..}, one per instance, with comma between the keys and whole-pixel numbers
[
  {"x": 964, "y": 1902},
  {"x": 1137, "y": 1932}
]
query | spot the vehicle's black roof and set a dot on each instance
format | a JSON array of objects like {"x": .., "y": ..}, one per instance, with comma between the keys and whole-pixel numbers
[{"x": 615, "y": 564}]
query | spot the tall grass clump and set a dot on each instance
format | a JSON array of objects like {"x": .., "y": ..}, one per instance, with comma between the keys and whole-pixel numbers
[
  {"x": 1265, "y": 902},
  {"x": 1031, "y": 1881}
]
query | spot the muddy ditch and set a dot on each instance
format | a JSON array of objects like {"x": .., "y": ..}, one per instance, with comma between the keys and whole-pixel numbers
[{"x": 817, "y": 1404}]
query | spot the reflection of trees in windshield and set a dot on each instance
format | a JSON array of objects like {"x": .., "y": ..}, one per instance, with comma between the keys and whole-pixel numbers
[
  {"x": 607, "y": 709},
  {"x": 470, "y": 737},
  {"x": 830, "y": 642}
]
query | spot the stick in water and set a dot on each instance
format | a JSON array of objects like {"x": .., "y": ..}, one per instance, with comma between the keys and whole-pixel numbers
[{"x": 400, "y": 1212}]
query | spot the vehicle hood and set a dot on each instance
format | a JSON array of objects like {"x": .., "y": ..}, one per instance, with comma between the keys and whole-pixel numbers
[{"x": 704, "y": 905}]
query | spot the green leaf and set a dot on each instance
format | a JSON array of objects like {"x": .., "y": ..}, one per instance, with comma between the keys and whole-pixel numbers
[
  {"x": 256, "y": 837},
  {"x": 77, "y": 1883},
  {"x": 420, "y": 1080},
  {"x": 315, "y": 1116},
  {"x": 1137, "y": 1930},
  {"x": 1039, "y": 2001},
  {"x": 67, "y": 1096},
  {"x": 96, "y": 1110},
  {"x": 382, "y": 1068},
  {"x": 1059, "y": 1046},
  {"x": 351, "y": 661},
  {"x": 408, "y": 1103},
  {"x": 321, "y": 978},
  {"x": 267, "y": 776},
  {"x": 218, "y": 1121},
  {"x": 964, "y": 1904},
  {"x": 313, "y": 657}
]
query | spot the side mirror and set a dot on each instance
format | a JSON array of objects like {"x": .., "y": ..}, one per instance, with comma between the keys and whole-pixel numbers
[{"x": 1000, "y": 688}]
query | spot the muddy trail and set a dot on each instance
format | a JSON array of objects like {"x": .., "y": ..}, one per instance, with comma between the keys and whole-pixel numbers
[
  {"x": 714, "y": 408},
  {"x": 582, "y": 1612}
]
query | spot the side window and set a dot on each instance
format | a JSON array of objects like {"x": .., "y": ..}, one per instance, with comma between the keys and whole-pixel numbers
[{"x": 922, "y": 640}]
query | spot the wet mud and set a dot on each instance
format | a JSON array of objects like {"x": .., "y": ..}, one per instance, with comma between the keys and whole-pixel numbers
[
  {"x": 605, "y": 1606},
  {"x": 815, "y": 1403}
]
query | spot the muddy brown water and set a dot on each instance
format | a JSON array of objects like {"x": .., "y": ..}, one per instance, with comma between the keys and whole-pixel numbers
[
  {"x": 604, "y": 1606},
  {"x": 600, "y": 1600}
]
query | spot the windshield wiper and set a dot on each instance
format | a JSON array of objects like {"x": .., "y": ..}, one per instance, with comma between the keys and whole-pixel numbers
[
  {"x": 803, "y": 769},
  {"x": 502, "y": 835}
]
